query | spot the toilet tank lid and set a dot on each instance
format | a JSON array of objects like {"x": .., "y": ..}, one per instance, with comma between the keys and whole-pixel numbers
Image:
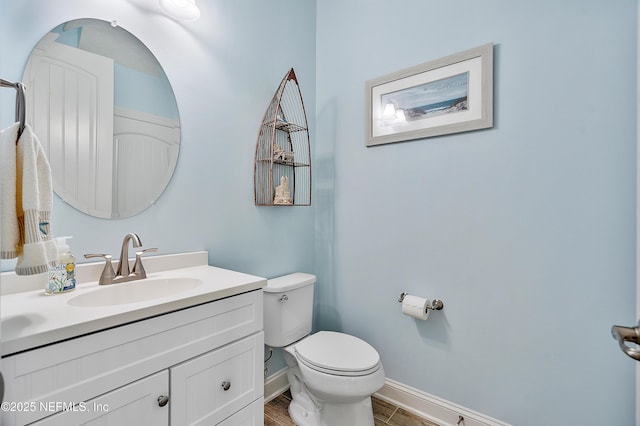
[{"x": 289, "y": 282}]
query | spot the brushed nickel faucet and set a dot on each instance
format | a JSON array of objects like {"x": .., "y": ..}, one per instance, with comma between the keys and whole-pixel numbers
[
  {"x": 123, "y": 266},
  {"x": 123, "y": 273}
]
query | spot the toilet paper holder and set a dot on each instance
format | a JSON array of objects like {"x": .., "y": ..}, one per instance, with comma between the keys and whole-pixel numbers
[{"x": 436, "y": 304}]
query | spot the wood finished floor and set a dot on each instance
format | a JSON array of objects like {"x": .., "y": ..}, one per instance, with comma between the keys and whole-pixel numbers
[{"x": 384, "y": 414}]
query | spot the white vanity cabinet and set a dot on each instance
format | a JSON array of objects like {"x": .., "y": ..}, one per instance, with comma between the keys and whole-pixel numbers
[{"x": 207, "y": 359}]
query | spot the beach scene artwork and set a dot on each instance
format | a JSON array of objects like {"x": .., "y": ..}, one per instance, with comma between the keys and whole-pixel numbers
[{"x": 444, "y": 96}]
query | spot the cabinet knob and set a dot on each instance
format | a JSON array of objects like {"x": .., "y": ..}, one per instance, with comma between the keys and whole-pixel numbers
[
  {"x": 163, "y": 400},
  {"x": 226, "y": 385}
]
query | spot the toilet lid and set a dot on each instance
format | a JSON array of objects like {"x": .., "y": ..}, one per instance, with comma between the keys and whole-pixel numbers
[{"x": 338, "y": 353}]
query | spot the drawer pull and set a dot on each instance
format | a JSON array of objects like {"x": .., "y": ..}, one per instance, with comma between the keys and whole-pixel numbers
[
  {"x": 163, "y": 400},
  {"x": 226, "y": 385}
]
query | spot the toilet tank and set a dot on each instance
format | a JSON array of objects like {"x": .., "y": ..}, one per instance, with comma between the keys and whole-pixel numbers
[{"x": 288, "y": 308}]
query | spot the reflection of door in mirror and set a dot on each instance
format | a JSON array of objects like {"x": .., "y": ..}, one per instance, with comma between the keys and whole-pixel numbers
[{"x": 74, "y": 89}]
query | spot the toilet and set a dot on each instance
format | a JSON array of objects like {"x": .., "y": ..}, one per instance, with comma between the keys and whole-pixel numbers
[{"x": 332, "y": 375}]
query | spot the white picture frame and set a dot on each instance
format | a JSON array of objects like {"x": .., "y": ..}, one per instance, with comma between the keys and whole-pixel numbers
[{"x": 447, "y": 95}]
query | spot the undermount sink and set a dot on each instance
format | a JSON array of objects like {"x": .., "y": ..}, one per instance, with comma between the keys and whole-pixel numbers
[{"x": 134, "y": 291}]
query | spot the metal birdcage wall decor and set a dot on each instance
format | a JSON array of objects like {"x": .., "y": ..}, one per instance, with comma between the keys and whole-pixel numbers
[{"x": 282, "y": 168}]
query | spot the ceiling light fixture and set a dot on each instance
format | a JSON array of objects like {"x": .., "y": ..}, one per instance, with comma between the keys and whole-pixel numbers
[{"x": 181, "y": 9}]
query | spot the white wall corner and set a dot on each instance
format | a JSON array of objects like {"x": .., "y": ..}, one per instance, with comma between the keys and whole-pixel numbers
[{"x": 638, "y": 203}]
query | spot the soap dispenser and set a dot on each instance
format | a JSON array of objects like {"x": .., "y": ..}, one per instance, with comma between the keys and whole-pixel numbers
[{"x": 62, "y": 278}]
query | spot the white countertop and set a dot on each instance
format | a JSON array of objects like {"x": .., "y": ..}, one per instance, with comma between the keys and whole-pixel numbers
[{"x": 30, "y": 319}]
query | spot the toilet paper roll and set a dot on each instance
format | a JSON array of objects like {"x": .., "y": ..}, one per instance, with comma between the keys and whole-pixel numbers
[{"x": 415, "y": 307}]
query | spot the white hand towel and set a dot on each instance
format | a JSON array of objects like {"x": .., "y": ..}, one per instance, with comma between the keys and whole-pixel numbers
[
  {"x": 10, "y": 237},
  {"x": 35, "y": 249}
]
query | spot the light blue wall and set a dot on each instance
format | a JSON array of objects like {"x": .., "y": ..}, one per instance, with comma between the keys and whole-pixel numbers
[
  {"x": 526, "y": 231},
  {"x": 224, "y": 69}
]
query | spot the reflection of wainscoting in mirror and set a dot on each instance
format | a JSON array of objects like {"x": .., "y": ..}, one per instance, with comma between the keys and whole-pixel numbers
[
  {"x": 146, "y": 149},
  {"x": 106, "y": 115}
]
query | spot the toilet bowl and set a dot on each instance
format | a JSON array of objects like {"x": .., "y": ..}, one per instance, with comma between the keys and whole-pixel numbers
[
  {"x": 331, "y": 375},
  {"x": 336, "y": 374}
]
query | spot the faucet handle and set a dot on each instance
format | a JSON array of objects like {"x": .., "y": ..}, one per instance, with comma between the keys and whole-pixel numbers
[
  {"x": 107, "y": 275},
  {"x": 138, "y": 268}
]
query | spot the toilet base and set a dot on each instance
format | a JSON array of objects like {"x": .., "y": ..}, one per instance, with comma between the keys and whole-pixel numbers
[
  {"x": 306, "y": 409},
  {"x": 302, "y": 409},
  {"x": 359, "y": 414},
  {"x": 302, "y": 416}
]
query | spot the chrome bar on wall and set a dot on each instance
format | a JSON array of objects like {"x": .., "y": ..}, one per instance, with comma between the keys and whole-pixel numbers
[{"x": 21, "y": 105}]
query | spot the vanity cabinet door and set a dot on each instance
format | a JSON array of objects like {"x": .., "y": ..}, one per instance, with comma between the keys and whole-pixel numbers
[
  {"x": 131, "y": 405},
  {"x": 252, "y": 415},
  {"x": 210, "y": 388}
]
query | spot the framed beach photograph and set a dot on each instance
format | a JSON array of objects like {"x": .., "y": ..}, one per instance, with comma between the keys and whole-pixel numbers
[{"x": 448, "y": 95}]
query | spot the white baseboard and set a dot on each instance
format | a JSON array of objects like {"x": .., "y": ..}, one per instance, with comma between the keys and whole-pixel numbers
[
  {"x": 431, "y": 407},
  {"x": 275, "y": 384},
  {"x": 428, "y": 406}
]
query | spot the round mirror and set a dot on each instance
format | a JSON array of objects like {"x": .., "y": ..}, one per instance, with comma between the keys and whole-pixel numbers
[{"x": 105, "y": 114}]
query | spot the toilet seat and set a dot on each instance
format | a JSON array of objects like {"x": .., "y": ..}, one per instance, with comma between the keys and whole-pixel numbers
[{"x": 337, "y": 354}]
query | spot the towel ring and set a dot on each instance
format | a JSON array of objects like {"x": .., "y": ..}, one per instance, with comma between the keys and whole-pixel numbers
[{"x": 21, "y": 104}]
